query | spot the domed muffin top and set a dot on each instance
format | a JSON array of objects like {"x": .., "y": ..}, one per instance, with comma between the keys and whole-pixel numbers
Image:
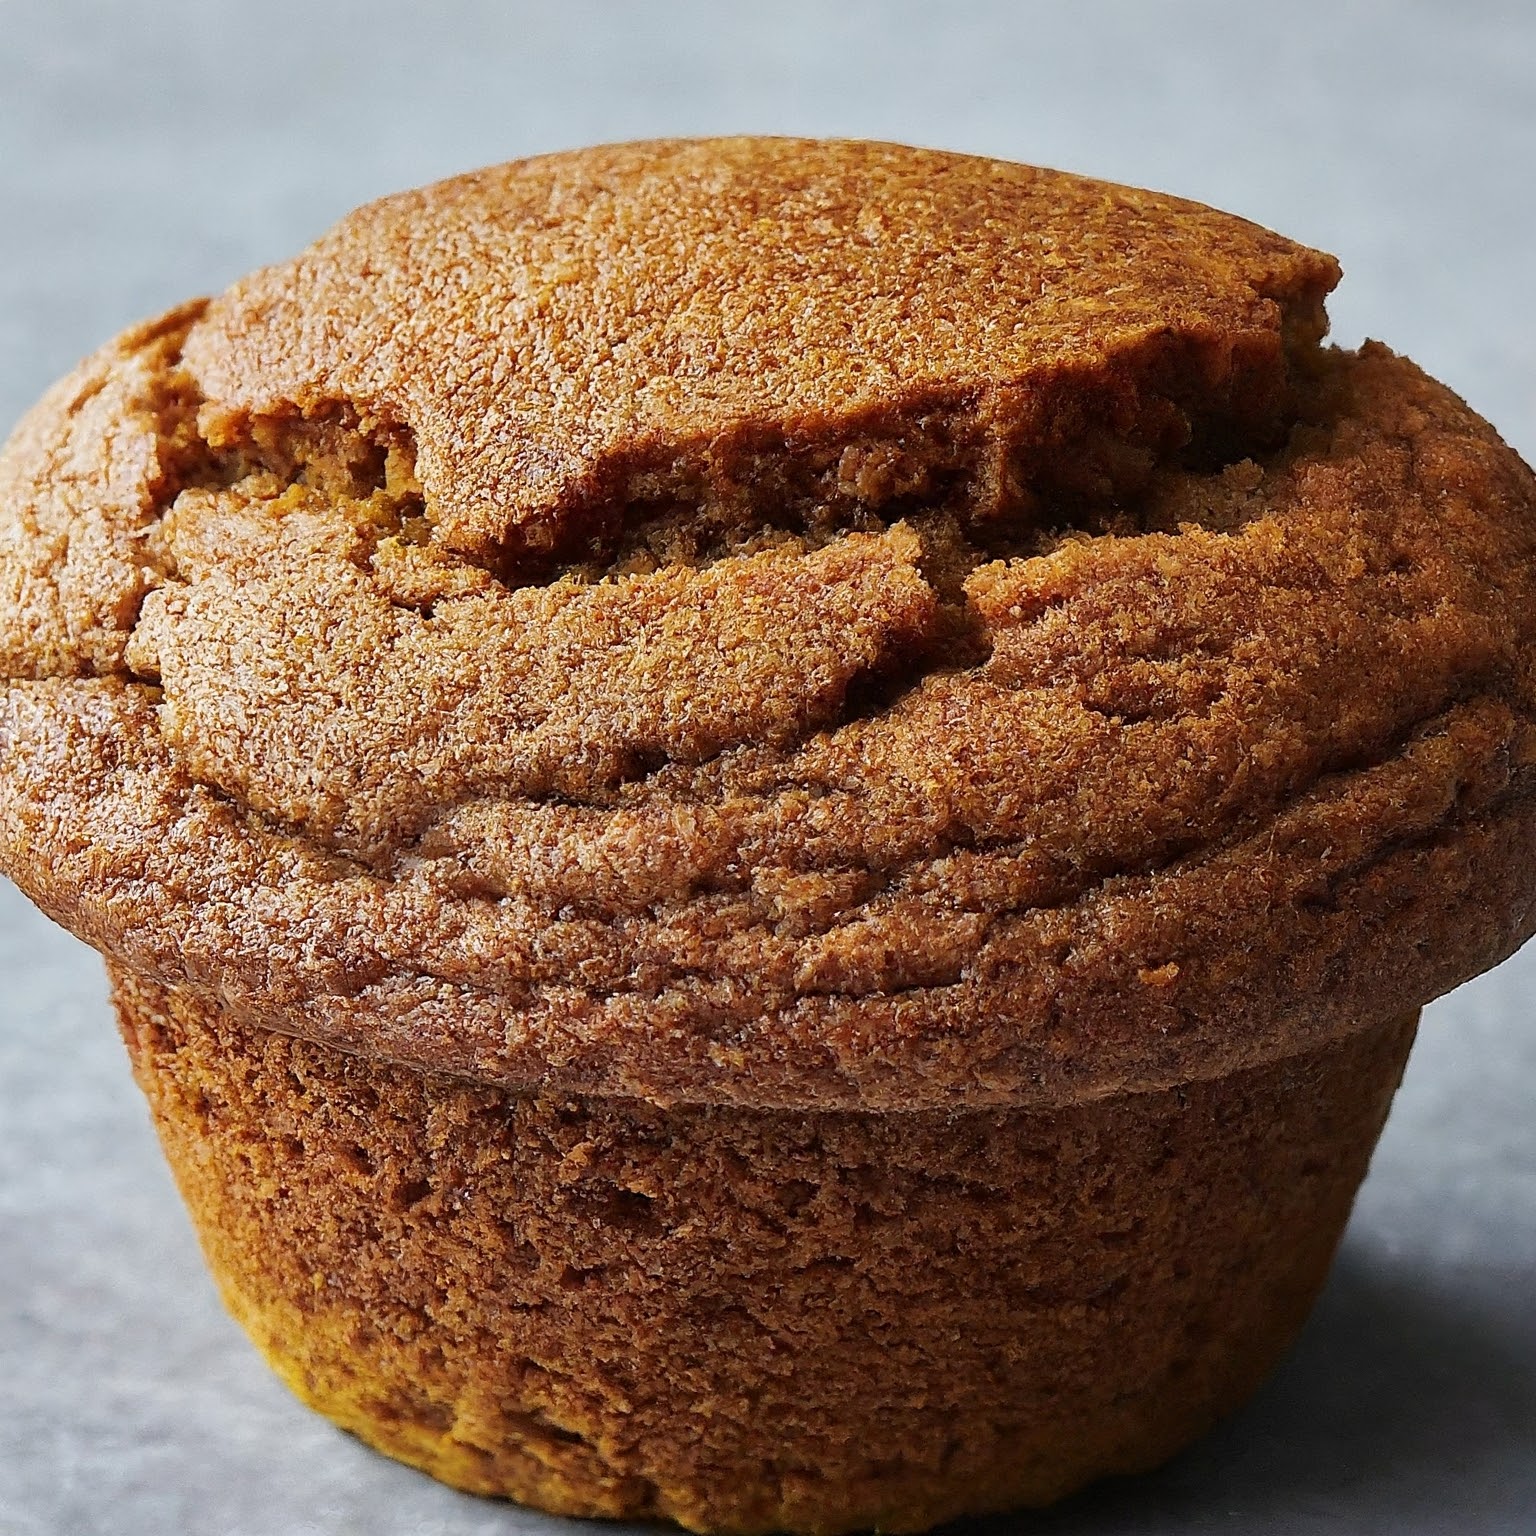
[{"x": 777, "y": 622}]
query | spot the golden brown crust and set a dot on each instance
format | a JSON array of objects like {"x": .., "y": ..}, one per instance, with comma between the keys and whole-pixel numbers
[
  {"x": 750, "y": 1320},
  {"x": 775, "y": 623},
  {"x": 635, "y": 320}
]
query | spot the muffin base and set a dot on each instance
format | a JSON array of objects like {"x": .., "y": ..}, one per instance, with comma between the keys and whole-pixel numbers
[{"x": 749, "y": 1320}]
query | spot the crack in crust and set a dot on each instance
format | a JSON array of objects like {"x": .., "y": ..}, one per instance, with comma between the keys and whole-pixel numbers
[{"x": 242, "y": 510}]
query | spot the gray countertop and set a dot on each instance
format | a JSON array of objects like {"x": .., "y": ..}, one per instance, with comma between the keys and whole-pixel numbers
[{"x": 149, "y": 151}]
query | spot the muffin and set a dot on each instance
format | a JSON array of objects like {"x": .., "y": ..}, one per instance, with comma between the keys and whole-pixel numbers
[{"x": 769, "y": 817}]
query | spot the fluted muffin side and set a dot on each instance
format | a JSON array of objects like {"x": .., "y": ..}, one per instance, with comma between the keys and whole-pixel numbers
[{"x": 749, "y": 1320}]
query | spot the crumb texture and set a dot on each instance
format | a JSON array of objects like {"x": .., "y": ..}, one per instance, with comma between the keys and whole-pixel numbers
[
  {"x": 773, "y": 622},
  {"x": 748, "y": 1320}
]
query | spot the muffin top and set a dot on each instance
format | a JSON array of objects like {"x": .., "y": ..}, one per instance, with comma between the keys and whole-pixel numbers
[{"x": 775, "y": 622}]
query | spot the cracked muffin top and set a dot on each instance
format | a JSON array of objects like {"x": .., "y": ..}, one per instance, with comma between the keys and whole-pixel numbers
[{"x": 775, "y": 622}]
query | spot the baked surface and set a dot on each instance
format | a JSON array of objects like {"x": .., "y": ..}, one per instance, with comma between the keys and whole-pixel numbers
[
  {"x": 777, "y": 623},
  {"x": 750, "y": 1320}
]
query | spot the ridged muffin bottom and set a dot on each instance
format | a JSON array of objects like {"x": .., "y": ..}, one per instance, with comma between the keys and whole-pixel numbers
[{"x": 753, "y": 1320}]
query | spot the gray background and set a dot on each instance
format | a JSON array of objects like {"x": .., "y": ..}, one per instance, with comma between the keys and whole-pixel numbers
[{"x": 149, "y": 151}]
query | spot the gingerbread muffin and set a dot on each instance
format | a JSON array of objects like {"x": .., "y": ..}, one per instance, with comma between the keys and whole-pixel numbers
[{"x": 769, "y": 817}]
